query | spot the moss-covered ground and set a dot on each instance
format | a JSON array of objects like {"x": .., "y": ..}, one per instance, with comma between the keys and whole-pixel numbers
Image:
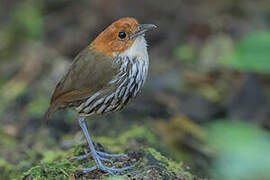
[{"x": 148, "y": 162}]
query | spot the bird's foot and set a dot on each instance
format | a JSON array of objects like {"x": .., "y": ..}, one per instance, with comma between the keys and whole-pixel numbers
[
  {"x": 103, "y": 156},
  {"x": 79, "y": 158},
  {"x": 87, "y": 155},
  {"x": 99, "y": 165},
  {"x": 111, "y": 170},
  {"x": 99, "y": 157}
]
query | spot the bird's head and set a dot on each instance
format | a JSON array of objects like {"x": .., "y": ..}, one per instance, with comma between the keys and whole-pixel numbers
[{"x": 120, "y": 36}]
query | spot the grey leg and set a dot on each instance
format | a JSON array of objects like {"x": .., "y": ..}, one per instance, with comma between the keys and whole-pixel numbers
[{"x": 97, "y": 154}]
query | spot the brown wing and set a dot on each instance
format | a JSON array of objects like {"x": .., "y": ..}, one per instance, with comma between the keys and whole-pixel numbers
[{"x": 89, "y": 73}]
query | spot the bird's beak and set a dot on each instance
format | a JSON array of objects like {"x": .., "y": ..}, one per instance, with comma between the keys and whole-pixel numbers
[{"x": 142, "y": 29}]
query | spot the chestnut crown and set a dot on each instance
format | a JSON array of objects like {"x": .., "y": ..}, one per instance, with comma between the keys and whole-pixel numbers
[{"x": 119, "y": 36}]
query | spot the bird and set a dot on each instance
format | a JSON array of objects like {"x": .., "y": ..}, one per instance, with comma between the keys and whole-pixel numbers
[{"x": 103, "y": 78}]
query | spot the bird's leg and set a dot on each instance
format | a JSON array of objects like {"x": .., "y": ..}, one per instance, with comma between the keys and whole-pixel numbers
[
  {"x": 97, "y": 155},
  {"x": 81, "y": 157}
]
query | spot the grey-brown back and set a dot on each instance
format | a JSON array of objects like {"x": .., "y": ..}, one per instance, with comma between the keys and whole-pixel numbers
[{"x": 89, "y": 73}]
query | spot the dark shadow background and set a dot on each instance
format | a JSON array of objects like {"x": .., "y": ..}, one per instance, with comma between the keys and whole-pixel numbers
[{"x": 207, "y": 94}]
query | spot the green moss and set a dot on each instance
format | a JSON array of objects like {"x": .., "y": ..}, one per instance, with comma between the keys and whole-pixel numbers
[
  {"x": 57, "y": 170},
  {"x": 169, "y": 165},
  {"x": 148, "y": 162},
  {"x": 52, "y": 155},
  {"x": 78, "y": 149},
  {"x": 54, "y": 165}
]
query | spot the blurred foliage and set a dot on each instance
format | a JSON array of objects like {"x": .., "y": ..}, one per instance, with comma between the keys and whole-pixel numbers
[
  {"x": 242, "y": 151},
  {"x": 7, "y": 170},
  {"x": 252, "y": 53},
  {"x": 140, "y": 133},
  {"x": 26, "y": 24},
  {"x": 185, "y": 52},
  {"x": 38, "y": 106},
  {"x": 27, "y": 19},
  {"x": 178, "y": 129},
  {"x": 213, "y": 52}
]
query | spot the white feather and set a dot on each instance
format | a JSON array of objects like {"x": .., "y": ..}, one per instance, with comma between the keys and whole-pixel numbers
[{"x": 138, "y": 50}]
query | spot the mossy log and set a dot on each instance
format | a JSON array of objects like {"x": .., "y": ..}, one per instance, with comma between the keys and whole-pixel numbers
[{"x": 148, "y": 162}]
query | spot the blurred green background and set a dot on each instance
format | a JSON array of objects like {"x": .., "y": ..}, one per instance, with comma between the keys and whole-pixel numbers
[{"x": 207, "y": 95}]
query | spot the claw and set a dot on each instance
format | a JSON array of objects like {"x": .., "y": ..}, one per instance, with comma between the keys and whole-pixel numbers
[
  {"x": 106, "y": 160},
  {"x": 110, "y": 170},
  {"x": 102, "y": 156},
  {"x": 79, "y": 158},
  {"x": 111, "y": 155},
  {"x": 86, "y": 170}
]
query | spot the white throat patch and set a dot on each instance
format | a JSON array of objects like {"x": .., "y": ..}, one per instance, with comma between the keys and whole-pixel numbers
[{"x": 138, "y": 49}]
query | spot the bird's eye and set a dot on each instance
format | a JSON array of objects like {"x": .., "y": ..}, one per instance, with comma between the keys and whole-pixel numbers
[{"x": 122, "y": 35}]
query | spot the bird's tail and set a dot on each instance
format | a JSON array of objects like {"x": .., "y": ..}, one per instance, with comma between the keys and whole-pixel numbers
[{"x": 47, "y": 115}]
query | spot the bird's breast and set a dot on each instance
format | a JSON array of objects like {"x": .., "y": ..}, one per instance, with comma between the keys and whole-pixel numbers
[
  {"x": 124, "y": 86},
  {"x": 132, "y": 74}
]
